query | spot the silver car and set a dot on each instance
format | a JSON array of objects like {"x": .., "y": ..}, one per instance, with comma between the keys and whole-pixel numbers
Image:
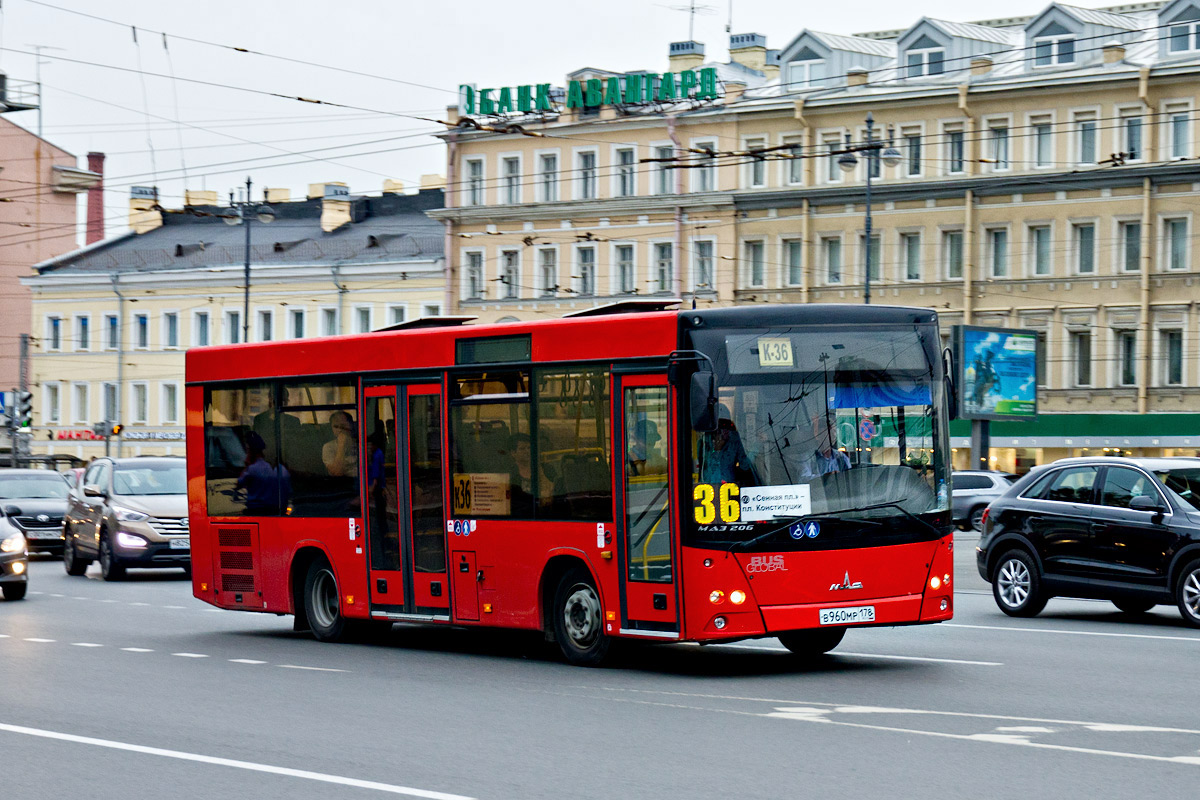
[{"x": 973, "y": 490}]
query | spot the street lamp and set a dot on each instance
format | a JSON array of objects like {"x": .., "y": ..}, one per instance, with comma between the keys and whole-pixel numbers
[
  {"x": 890, "y": 156},
  {"x": 244, "y": 213}
]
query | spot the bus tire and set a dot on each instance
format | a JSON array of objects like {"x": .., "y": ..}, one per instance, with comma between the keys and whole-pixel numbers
[
  {"x": 812, "y": 642},
  {"x": 579, "y": 619},
  {"x": 322, "y": 603}
]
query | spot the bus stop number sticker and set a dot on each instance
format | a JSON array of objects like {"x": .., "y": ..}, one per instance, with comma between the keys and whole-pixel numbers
[{"x": 711, "y": 500}]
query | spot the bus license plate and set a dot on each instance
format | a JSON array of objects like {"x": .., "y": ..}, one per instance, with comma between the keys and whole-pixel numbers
[
  {"x": 847, "y": 616},
  {"x": 181, "y": 543}
]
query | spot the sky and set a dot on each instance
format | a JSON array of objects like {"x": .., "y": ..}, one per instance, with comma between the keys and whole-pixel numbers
[{"x": 411, "y": 57}]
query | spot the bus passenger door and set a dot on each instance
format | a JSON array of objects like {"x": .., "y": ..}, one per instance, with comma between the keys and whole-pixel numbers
[
  {"x": 424, "y": 516},
  {"x": 649, "y": 573},
  {"x": 385, "y": 557}
]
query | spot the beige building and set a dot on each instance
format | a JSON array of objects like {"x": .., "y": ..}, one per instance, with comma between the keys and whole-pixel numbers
[
  {"x": 1044, "y": 177},
  {"x": 112, "y": 320}
]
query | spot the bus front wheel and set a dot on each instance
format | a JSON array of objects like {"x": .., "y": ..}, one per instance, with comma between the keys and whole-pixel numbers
[
  {"x": 578, "y": 619},
  {"x": 812, "y": 642}
]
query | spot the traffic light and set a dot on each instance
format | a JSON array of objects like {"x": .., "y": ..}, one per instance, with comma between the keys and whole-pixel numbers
[
  {"x": 117, "y": 428},
  {"x": 24, "y": 409}
]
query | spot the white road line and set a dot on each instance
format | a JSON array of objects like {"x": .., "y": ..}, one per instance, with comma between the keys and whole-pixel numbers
[
  {"x": 80, "y": 598},
  {"x": 37, "y": 592},
  {"x": 85, "y": 644},
  {"x": 875, "y": 655},
  {"x": 34, "y": 639},
  {"x": 55, "y": 594},
  {"x": 314, "y": 669},
  {"x": 246, "y": 661},
  {"x": 139, "y": 604},
  {"x": 173, "y": 606},
  {"x": 137, "y": 649},
  {"x": 190, "y": 655},
  {"x": 109, "y": 600},
  {"x": 229, "y": 762},
  {"x": 4, "y": 636},
  {"x": 1193, "y": 639}
]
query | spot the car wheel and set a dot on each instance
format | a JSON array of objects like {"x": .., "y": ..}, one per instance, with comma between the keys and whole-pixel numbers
[
  {"x": 72, "y": 562},
  {"x": 109, "y": 568},
  {"x": 975, "y": 519},
  {"x": 1017, "y": 586},
  {"x": 1134, "y": 606},
  {"x": 15, "y": 591},
  {"x": 813, "y": 642},
  {"x": 1187, "y": 593},
  {"x": 578, "y": 620}
]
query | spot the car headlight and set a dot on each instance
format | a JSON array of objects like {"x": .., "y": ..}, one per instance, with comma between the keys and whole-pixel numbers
[
  {"x": 12, "y": 544},
  {"x": 130, "y": 540},
  {"x": 128, "y": 514}
]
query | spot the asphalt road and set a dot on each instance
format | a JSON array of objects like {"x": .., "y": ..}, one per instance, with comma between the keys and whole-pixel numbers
[{"x": 136, "y": 690}]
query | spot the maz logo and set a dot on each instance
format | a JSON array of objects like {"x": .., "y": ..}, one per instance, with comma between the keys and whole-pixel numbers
[{"x": 845, "y": 584}]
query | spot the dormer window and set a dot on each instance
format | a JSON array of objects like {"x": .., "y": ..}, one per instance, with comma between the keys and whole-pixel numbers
[
  {"x": 1052, "y": 50},
  {"x": 1184, "y": 37},
  {"x": 927, "y": 61},
  {"x": 806, "y": 72}
]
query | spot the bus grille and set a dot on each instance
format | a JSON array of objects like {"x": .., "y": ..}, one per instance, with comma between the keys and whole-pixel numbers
[
  {"x": 237, "y": 561},
  {"x": 236, "y": 552},
  {"x": 237, "y": 583}
]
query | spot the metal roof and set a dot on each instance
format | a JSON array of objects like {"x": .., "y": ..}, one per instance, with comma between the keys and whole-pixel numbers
[
  {"x": 1105, "y": 18},
  {"x": 967, "y": 30},
  {"x": 855, "y": 44}
]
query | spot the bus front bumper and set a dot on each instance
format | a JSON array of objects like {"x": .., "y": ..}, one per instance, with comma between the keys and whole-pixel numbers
[{"x": 902, "y": 610}]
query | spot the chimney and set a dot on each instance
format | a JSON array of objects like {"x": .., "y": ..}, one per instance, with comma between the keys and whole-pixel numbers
[
  {"x": 393, "y": 186},
  {"x": 749, "y": 50},
  {"x": 143, "y": 209},
  {"x": 685, "y": 55},
  {"x": 1114, "y": 52},
  {"x": 198, "y": 197},
  {"x": 433, "y": 181},
  {"x": 981, "y": 65},
  {"x": 733, "y": 91},
  {"x": 772, "y": 67},
  {"x": 335, "y": 205},
  {"x": 95, "y": 200},
  {"x": 278, "y": 195},
  {"x": 317, "y": 190},
  {"x": 856, "y": 76}
]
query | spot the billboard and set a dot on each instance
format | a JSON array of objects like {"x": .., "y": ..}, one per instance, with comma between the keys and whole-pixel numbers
[{"x": 997, "y": 372}]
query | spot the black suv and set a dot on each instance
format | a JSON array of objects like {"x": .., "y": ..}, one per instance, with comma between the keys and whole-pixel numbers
[{"x": 1119, "y": 529}]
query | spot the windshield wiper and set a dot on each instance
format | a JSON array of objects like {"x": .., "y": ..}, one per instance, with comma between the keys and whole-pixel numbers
[
  {"x": 762, "y": 537},
  {"x": 896, "y": 505}
]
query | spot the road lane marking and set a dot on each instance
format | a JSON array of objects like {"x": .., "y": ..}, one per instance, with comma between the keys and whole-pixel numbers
[
  {"x": 246, "y": 661},
  {"x": 173, "y": 606},
  {"x": 1193, "y": 639},
  {"x": 34, "y": 639},
  {"x": 75, "y": 597},
  {"x": 55, "y": 594},
  {"x": 234, "y": 763},
  {"x": 85, "y": 644},
  {"x": 873, "y": 655},
  {"x": 139, "y": 604},
  {"x": 314, "y": 669},
  {"x": 4, "y": 636},
  {"x": 190, "y": 655},
  {"x": 137, "y": 649}
]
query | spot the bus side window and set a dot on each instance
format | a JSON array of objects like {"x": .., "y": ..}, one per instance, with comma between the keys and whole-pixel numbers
[
  {"x": 318, "y": 434},
  {"x": 491, "y": 464},
  {"x": 574, "y": 444},
  {"x": 241, "y": 457}
]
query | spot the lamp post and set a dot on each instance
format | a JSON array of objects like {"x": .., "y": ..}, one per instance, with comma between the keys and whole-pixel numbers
[
  {"x": 244, "y": 213},
  {"x": 876, "y": 151}
]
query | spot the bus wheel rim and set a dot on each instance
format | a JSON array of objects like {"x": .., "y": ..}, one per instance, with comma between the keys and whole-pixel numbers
[
  {"x": 325, "y": 599},
  {"x": 581, "y": 614}
]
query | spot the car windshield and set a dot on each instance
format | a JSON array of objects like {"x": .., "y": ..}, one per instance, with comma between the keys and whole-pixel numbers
[
  {"x": 826, "y": 421},
  {"x": 1184, "y": 482},
  {"x": 146, "y": 479},
  {"x": 28, "y": 487}
]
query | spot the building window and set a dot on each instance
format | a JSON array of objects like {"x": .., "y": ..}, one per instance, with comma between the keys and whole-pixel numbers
[
  {"x": 473, "y": 276},
  {"x": 805, "y": 73},
  {"x": 1085, "y": 247},
  {"x": 626, "y": 173},
  {"x": 1085, "y": 141},
  {"x": 875, "y": 258},
  {"x": 53, "y": 403},
  {"x": 1051, "y": 50},
  {"x": 141, "y": 326},
  {"x": 1127, "y": 355},
  {"x": 201, "y": 335},
  {"x": 706, "y": 171},
  {"x": 1081, "y": 357},
  {"x": 664, "y": 266},
  {"x": 1184, "y": 37},
  {"x": 998, "y": 141},
  {"x": 266, "y": 325},
  {"x": 362, "y": 319},
  {"x": 83, "y": 334},
  {"x": 431, "y": 310},
  {"x": 587, "y": 175},
  {"x": 1181, "y": 128},
  {"x": 141, "y": 403},
  {"x": 548, "y": 177},
  {"x": 926, "y": 62},
  {"x": 171, "y": 329},
  {"x": 663, "y": 174},
  {"x": 1175, "y": 233},
  {"x": 831, "y": 253},
  {"x": 512, "y": 180},
  {"x": 548, "y": 272},
  {"x": 80, "y": 403},
  {"x": 112, "y": 332},
  {"x": 54, "y": 333},
  {"x": 910, "y": 249},
  {"x": 1039, "y": 249},
  {"x": 296, "y": 323},
  {"x": 475, "y": 182},
  {"x": 955, "y": 151},
  {"x": 170, "y": 404},
  {"x": 329, "y": 322},
  {"x": 396, "y": 315},
  {"x": 795, "y": 165},
  {"x": 586, "y": 263},
  {"x": 1172, "y": 356},
  {"x": 233, "y": 327},
  {"x": 109, "y": 412},
  {"x": 1043, "y": 145},
  {"x": 626, "y": 281},
  {"x": 833, "y": 173},
  {"x": 1131, "y": 138},
  {"x": 1131, "y": 246},
  {"x": 912, "y": 153},
  {"x": 754, "y": 269},
  {"x": 952, "y": 253},
  {"x": 510, "y": 273},
  {"x": 998, "y": 252},
  {"x": 794, "y": 254},
  {"x": 756, "y": 169}
]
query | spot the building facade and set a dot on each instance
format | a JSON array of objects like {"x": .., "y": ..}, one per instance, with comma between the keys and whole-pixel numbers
[
  {"x": 1044, "y": 176},
  {"x": 113, "y": 320}
]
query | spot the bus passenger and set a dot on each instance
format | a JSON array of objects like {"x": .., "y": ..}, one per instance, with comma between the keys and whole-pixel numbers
[
  {"x": 267, "y": 487},
  {"x": 340, "y": 454},
  {"x": 826, "y": 457}
]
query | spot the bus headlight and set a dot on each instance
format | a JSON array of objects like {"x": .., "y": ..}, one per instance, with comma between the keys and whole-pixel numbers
[
  {"x": 737, "y": 597},
  {"x": 935, "y": 582}
]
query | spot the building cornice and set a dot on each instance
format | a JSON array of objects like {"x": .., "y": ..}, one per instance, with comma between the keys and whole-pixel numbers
[{"x": 584, "y": 209}]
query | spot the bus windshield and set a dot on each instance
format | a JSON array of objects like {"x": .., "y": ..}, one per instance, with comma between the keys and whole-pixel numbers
[{"x": 821, "y": 423}]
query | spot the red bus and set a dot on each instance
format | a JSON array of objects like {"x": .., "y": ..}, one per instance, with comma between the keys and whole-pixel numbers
[{"x": 667, "y": 475}]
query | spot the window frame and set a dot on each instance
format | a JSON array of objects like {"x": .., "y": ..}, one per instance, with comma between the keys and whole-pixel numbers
[
  {"x": 544, "y": 290},
  {"x": 755, "y": 169},
  {"x": 548, "y": 182},
  {"x": 585, "y": 285},
  {"x": 506, "y": 184},
  {"x": 1077, "y": 251},
  {"x": 751, "y": 247},
  {"x": 141, "y": 324},
  {"x": 827, "y": 276},
  {"x": 81, "y": 333},
  {"x": 205, "y": 327},
  {"x": 1164, "y": 359},
  {"x": 168, "y": 412},
  {"x": 1166, "y": 223},
  {"x": 924, "y": 61},
  {"x": 52, "y": 391},
  {"x": 808, "y": 64},
  {"x": 1032, "y": 230},
  {"x": 616, "y": 277},
  {"x": 586, "y": 180},
  {"x": 468, "y": 254},
  {"x": 656, "y": 249},
  {"x": 621, "y": 172},
  {"x": 264, "y": 314},
  {"x": 359, "y": 308},
  {"x": 1074, "y": 338},
  {"x": 506, "y": 290},
  {"x": 1123, "y": 241},
  {"x": 79, "y": 416},
  {"x": 1055, "y": 57},
  {"x": 991, "y": 238},
  {"x": 1125, "y": 347},
  {"x": 231, "y": 323},
  {"x": 295, "y": 313},
  {"x": 133, "y": 414},
  {"x": 949, "y": 235},
  {"x": 904, "y": 246},
  {"x": 475, "y": 185}
]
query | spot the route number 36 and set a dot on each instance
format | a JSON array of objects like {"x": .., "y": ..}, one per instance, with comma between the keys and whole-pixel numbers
[{"x": 707, "y": 504}]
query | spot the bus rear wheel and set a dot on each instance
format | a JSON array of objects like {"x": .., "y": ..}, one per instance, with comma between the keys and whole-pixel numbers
[
  {"x": 812, "y": 642},
  {"x": 578, "y": 620},
  {"x": 322, "y": 603}
]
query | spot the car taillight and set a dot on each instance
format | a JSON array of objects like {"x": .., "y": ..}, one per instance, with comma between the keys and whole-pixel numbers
[{"x": 983, "y": 520}]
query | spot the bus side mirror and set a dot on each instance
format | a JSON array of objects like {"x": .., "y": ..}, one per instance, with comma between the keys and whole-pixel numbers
[
  {"x": 950, "y": 385},
  {"x": 703, "y": 401}
]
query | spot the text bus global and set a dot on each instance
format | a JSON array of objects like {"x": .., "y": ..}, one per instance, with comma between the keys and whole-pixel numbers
[{"x": 650, "y": 87}]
